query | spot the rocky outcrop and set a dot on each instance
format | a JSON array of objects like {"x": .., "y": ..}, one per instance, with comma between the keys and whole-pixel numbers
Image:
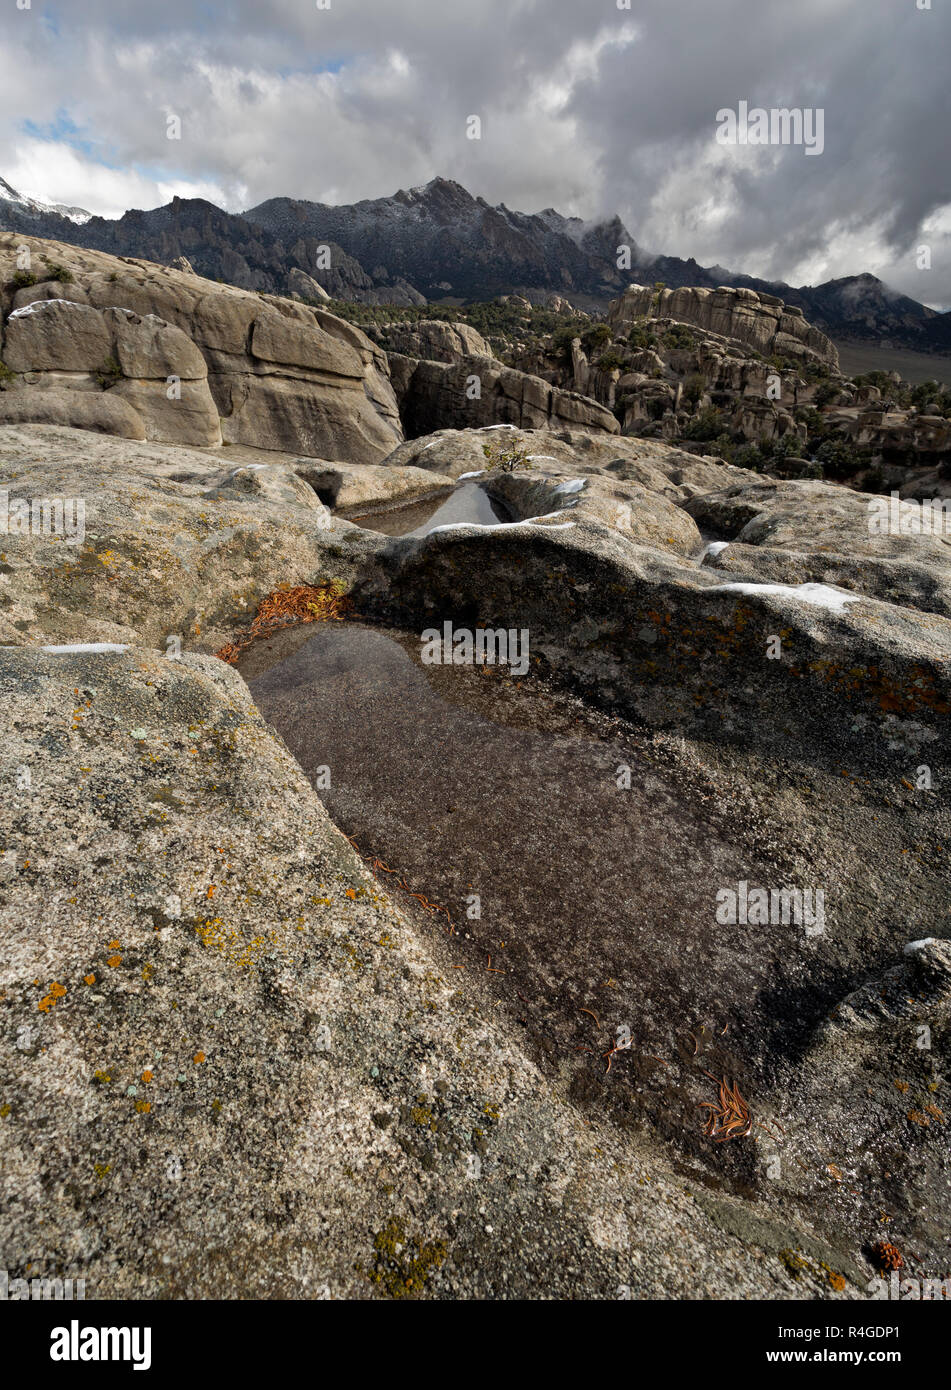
[
  {"x": 101, "y": 412},
  {"x": 478, "y": 391},
  {"x": 432, "y": 339},
  {"x": 304, "y": 286},
  {"x": 761, "y": 321},
  {"x": 894, "y": 435},
  {"x": 174, "y": 541},
  {"x": 805, "y": 531},
  {"x": 197, "y": 362},
  {"x": 150, "y": 365}
]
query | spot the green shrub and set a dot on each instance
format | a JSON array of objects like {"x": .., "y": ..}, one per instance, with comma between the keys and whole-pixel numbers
[
  {"x": 609, "y": 361},
  {"x": 59, "y": 272},
  {"x": 839, "y": 458},
  {"x": 597, "y": 336},
  {"x": 694, "y": 387},
  {"x": 678, "y": 335},
  {"x": 23, "y": 280},
  {"x": 109, "y": 373},
  {"x": 708, "y": 424},
  {"x": 502, "y": 459},
  {"x": 641, "y": 337},
  {"x": 826, "y": 393}
]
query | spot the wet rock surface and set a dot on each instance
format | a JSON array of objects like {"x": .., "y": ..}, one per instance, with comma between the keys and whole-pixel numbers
[{"x": 597, "y": 912}]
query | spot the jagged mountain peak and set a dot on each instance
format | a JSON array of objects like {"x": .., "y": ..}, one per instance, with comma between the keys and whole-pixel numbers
[{"x": 39, "y": 208}]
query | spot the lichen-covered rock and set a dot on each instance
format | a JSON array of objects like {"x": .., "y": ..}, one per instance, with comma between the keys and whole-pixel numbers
[
  {"x": 175, "y": 541},
  {"x": 234, "y": 1071}
]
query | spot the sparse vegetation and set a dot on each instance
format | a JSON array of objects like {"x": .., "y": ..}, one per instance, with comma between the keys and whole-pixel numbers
[
  {"x": 109, "y": 373},
  {"x": 641, "y": 337},
  {"x": 22, "y": 280},
  {"x": 706, "y": 425},
  {"x": 678, "y": 335},
  {"x": 504, "y": 459},
  {"x": 694, "y": 387}
]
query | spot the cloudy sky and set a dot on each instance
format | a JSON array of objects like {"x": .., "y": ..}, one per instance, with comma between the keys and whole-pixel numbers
[{"x": 589, "y": 106}]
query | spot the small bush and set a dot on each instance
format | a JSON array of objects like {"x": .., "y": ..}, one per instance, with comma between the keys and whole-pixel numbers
[
  {"x": 502, "y": 459},
  {"x": 839, "y": 458},
  {"x": 598, "y": 336},
  {"x": 23, "y": 280},
  {"x": 608, "y": 361},
  {"x": 60, "y": 273},
  {"x": 678, "y": 335},
  {"x": 826, "y": 393},
  {"x": 109, "y": 373},
  {"x": 708, "y": 424},
  {"x": 641, "y": 337},
  {"x": 694, "y": 387}
]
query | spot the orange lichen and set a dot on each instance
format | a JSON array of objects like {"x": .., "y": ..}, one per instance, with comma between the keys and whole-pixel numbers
[
  {"x": 56, "y": 991},
  {"x": 289, "y": 606},
  {"x": 114, "y": 961},
  {"x": 89, "y": 979},
  {"x": 198, "y": 1058}
]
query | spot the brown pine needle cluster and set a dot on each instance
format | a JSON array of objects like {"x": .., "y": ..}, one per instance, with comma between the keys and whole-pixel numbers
[
  {"x": 731, "y": 1119},
  {"x": 287, "y": 607}
]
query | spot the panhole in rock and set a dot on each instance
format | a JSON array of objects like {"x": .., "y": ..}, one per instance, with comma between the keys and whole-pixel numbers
[
  {"x": 468, "y": 504},
  {"x": 501, "y": 803}
]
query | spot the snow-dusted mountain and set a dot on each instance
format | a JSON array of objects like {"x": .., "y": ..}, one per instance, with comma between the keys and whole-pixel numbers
[
  {"x": 10, "y": 195},
  {"x": 437, "y": 240}
]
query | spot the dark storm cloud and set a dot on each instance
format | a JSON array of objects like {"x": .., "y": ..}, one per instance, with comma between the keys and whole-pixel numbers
[{"x": 586, "y": 107}]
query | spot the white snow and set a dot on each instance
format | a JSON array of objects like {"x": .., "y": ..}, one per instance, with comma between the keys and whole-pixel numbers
[
  {"x": 571, "y": 485},
  {"x": 10, "y": 195},
  {"x": 534, "y": 458},
  {"x": 74, "y": 304},
  {"x": 41, "y": 304},
  {"x": 477, "y": 474},
  {"x": 95, "y": 648},
  {"x": 913, "y": 947},
  {"x": 500, "y": 526},
  {"x": 713, "y": 548},
  {"x": 497, "y": 427},
  {"x": 818, "y": 595}
]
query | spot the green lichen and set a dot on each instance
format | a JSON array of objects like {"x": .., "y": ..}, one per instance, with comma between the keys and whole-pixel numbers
[{"x": 402, "y": 1266}]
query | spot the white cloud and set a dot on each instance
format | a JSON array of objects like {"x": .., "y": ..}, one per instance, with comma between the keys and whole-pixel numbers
[{"x": 585, "y": 109}]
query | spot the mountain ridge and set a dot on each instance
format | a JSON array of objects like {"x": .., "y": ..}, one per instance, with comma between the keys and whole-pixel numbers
[{"x": 438, "y": 241}]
